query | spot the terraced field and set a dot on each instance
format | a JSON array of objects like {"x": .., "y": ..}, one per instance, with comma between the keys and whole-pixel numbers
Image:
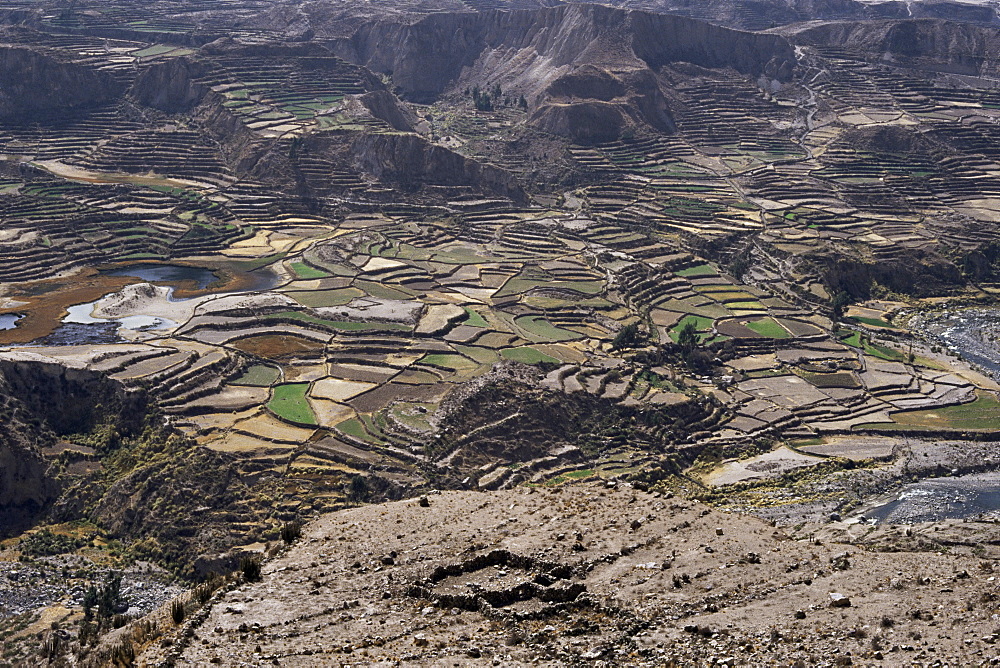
[{"x": 307, "y": 257}]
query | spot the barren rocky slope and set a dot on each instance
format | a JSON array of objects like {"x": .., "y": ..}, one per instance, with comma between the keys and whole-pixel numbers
[{"x": 596, "y": 575}]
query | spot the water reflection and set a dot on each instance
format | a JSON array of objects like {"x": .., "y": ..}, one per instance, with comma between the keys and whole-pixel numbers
[
  {"x": 167, "y": 273},
  {"x": 9, "y": 320}
]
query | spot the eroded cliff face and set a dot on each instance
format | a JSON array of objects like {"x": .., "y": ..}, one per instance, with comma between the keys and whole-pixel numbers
[
  {"x": 32, "y": 82},
  {"x": 170, "y": 85},
  {"x": 25, "y": 487},
  {"x": 410, "y": 161},
  {"x": 588, "y": 72},
  {"x": 927, "y": 44},
  {"x": 528, "y": 50},
  {"x": 40, "y": 401},
  {"x": 69, "y": 399}
]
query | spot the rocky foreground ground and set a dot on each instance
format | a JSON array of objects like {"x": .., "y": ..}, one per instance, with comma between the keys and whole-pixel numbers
[{"x": 602, "y": 575}]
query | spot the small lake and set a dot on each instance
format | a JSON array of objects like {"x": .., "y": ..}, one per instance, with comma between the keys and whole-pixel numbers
[
  {"x": 975, "y": 495},
  {"x": 9, "y": 320},
  {"x": 173, "y": 274},
  {"x": 167, "y": 273}
]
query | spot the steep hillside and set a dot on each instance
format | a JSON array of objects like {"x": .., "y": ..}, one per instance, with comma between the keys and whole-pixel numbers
[
  {"x": 33, "y": 82},
  {"x": 585, "y": 71},
  {"x": 926, "y": 44},
  {"x": 526, "y": 51}
]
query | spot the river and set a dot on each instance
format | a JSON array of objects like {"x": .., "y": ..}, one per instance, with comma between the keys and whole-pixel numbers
[
  {"x": 968, "y": 496},
  {"x": 971, "y": 333}
]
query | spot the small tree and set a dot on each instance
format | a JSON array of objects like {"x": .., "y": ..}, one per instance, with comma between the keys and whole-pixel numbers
[
  {"x": 109, "y": 596},
  {"x": 291, "y": 532},
  {"x": 358, "y": 489},
  {"x": 688, "y": 339},
  {"x": 89, "y": 601},
  {"x": 839, "y": 304},
  {"x": 740, "y": 266},
  {"x": 250, "y": 568},
  {"x": 177, "y": 611},
  {"x": 628, "y": 336}
]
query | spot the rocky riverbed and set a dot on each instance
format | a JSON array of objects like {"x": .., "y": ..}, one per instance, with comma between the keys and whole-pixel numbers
[{"x": 63, "y": 579}]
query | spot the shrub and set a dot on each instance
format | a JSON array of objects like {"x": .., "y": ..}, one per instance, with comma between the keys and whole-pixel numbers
[
  {"x": 291, "y": 532},
  {"x": 250, "y": 568},
  {"x": 177, "y": 611}
]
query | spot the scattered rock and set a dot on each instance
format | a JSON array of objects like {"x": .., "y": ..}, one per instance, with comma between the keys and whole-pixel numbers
[{"x": 838, "y": 600}]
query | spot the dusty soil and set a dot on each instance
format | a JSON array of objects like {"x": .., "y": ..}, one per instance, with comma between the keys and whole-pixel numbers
[{"x": 594, "y": 575}]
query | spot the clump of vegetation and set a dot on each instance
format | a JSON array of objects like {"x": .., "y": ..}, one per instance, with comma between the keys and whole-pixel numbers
[
  {"x": 46, "y": 543},
  {"x": 628, "y": 336},
  {"x": 358, "y": 489},
  {"x": 177, "y": 611},
  {"x": 204, "y": 591},
  {"x": 291, "y": 532},
  {"x": 489, "y": 100},
  {"x": 740, "y": 266},
  {"x": 689, "y": 343},
  {"x": 250, "y": 567},
  {"x": 839, "y": 303},
  {"x": 102, "y": 605}
]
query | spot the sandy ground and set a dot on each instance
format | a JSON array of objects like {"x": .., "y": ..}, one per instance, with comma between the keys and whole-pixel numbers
[
  {"x": 769, "y": 465},
  {"x": 588, "y": 575},
  {"x": 145, "y": 299}
]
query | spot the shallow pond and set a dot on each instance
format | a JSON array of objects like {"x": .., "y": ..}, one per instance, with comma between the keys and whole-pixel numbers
[
  {"x": 176, "y": 275},
  {"x": 9, "y": 320},
  {"x": 167, "y": 273}
]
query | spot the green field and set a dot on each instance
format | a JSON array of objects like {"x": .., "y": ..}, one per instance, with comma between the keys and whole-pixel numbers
[
  {"x": 259, "y": 375},
  {"x": 838, "y": 379},
  {"x": 983, "y": 414},
  {"x": 289, "y": 402},
  {"x": 474, "y": 319},
  {"x": 303, "y": 270},
  {"x": 356, "y": 428},
  {"x": 769, "y": 328},
  {"x": 700, "y": 270},
  {"x": 545, "y": 330},
  {"x": 569, "y": 476},
  {"x": 319, "y": 298},
  {"x": 527, "y": 355},
  {"x": 447, "y": 361},
  {"x": 884, "y": 352},
  {"x": 856, "y": 340},
  {"x": 702, "y": 325}
]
